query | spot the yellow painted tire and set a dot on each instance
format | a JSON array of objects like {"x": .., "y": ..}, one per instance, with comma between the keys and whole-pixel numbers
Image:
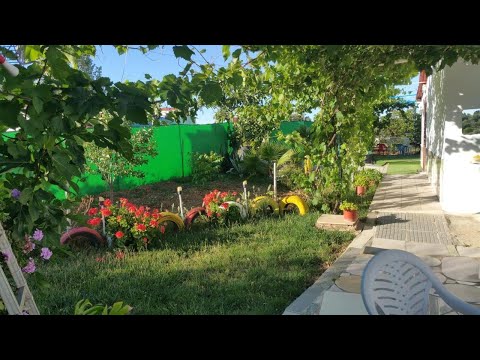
[
  {"x": 174, "y": 218},
  {"x": 296, "y": 201},
  {"x": 262, "y": 201}
]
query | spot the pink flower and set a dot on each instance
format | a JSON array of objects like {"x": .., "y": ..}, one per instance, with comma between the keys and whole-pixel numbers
[
  {"x": 30, "y": 268},
  {"x": 46, "y": 253},
  {"x": 38, "y": 235},
  {"x": 162, "y": 229}
]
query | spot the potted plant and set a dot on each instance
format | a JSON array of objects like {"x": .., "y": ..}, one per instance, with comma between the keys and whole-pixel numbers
[
  {"x": 349, "y": 211},
  {"x": 361, "y": 182}
]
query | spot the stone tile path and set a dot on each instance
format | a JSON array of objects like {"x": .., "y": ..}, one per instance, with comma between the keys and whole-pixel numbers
[{"x": 407, "y": 216}]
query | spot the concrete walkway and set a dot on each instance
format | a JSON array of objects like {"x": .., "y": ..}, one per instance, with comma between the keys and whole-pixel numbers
[{"x": 405, "y": 214}]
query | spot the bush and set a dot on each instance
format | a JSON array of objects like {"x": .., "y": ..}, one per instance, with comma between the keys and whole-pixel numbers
[
  {"x": 206, "y": 167},
  {"x": 217, "y": 208},
  {"x": 361, "y": 180}
]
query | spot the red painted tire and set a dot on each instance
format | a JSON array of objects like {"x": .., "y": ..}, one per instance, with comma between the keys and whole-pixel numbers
[
  {"x": 192, "y": 215},
  {"x": 82, "y": 233}
]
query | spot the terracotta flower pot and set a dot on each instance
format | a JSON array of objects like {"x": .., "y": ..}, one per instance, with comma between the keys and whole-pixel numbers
[
  {"x": 350, "y": 215},
  {"x": 361, "y": 190}
]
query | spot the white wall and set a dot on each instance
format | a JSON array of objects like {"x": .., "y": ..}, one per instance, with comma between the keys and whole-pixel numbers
[{"x": 450, "y": 166}]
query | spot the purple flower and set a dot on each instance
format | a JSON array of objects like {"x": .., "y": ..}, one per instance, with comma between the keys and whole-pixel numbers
[
  {"x": 38, "y": 235},
  {"x": 6, "y": 255},
  {"x": 46, "y": 253},
  {"x": 30, "y": 268},
  {"x": 16, "y": 193}
]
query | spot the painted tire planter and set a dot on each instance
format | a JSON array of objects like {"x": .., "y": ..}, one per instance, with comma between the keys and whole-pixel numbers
[
  {"x": 82, "y": 234},
  {"x": 192, "y": 215},
  {"x": 263, "y": 202},
  {"x": 171, "y": 218},
  {"x": 293, "y": 201}
]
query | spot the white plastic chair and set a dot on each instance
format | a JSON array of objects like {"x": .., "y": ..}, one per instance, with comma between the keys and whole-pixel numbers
[{"x": 396, "y": 282}]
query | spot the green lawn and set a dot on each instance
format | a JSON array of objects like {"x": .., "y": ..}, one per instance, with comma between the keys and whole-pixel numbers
[
  {"x": 254, "y": 268},
  {"x": 401, "y": 164}
]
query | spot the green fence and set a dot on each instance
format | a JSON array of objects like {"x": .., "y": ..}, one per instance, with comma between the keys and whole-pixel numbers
[{"x": 175, "y": 145}]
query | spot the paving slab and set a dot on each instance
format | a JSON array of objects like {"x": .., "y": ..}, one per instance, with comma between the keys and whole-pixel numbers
[
  {"x": 465, "y": 292},
  {"x": 427, "y": 249},
  {"x": 461, "y": 268},
  {"x": 342, "y": 303},
  {"x": 473, "y": 252},
  {"x": 350, "y": 284}
]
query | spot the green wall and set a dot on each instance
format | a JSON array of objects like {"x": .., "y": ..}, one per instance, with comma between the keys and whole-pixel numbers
[{"x": 175, "y": 145}]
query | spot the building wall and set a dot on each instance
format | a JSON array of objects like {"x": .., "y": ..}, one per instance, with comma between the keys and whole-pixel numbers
[{"x": 450, "y": 168}]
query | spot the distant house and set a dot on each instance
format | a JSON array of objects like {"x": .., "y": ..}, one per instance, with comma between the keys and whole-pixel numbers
[{"x": 448, "y": 152}]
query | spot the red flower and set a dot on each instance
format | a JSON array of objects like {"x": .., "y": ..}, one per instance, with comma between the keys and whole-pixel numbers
[
  {"x": 225, "y": 205},
  {"x": 141, "y": 227},
  {"x": 100, "y": 259},
  {"x": 107, "y": 203},
  {"x": 234, "y": 193},
  {"x": 106, "y": 212},
  {"x": 145, "y": 241},
  {"x": 153, "y": 223},
  {"x": 123, "y": 201},
  {"x": 223, "y": 194},
  {"x": 218, "y": 215},
  {"x": 119, "y": 217},
  {"x": 119, "y": 234},
  {"x": 94, "y": 221},
  {"x": 120, "y": 255},
  {"x": 162, "y": 229},
  {"x": 92, "y": 211},
  {"x": 132, "y": 209},
  {"x": 146, "y": 214}
]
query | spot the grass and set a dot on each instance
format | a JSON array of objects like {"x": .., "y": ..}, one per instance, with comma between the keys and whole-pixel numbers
[
  {"x": 399, "y": 164},
  {"x": 254, "y": 268}
]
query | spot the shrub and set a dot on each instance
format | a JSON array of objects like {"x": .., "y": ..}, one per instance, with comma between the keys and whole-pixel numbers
[
  {"x": 361, "y": 180},
  {"x": 373, "y": 175},
  {"x": 206, "y": 167}
]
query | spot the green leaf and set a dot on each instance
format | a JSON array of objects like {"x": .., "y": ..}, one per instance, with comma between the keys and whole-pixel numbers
[
  {"x": 211, "y": 92},
  {"x": 226, "y": 51},
  {"x": 37, "y": 104},
  {"x": 32, "y": 52},
  {"x": 9, "y": 111},
  {"x": 183, "y": 52},
  {"x": 137, "y": 115},
  {"x": 148, "y": 76},
  {"x": 26, "y": 196},
  {"x": 236, "y": 53}
]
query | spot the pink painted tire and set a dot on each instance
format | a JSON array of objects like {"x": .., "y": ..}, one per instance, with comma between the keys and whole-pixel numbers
[
  {"x": 192, "y": 215},
  {"x": 82, "y": 234}
]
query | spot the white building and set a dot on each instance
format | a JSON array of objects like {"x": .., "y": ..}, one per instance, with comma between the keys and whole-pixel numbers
[{"x": 447, "y": 154}]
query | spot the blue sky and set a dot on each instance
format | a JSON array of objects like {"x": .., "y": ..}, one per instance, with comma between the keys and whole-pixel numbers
[{"x": 134, "y": 65}]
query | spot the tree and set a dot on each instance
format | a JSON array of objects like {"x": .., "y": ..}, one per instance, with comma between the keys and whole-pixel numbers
[
  {"x": 86, "y": 65},
  {"x": 112, "y": 165},
  {"x": 346, "y": 82}
]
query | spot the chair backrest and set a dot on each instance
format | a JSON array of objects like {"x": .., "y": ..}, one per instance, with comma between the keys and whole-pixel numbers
[{"x": 396, "y": 282}]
